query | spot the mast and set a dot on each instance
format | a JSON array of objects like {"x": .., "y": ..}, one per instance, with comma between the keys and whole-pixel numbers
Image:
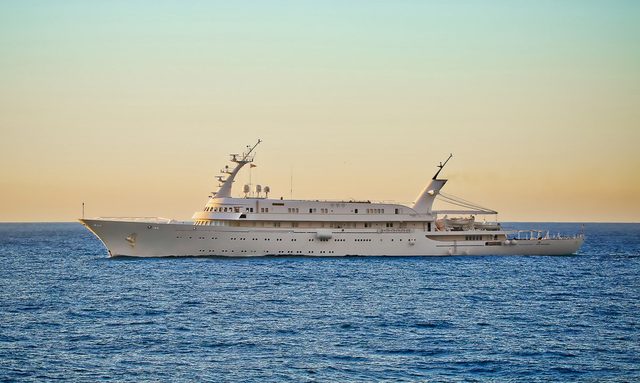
[
  {"x": 424, "y": 202},
  {"x": 240, "y": 160},
  {"x": 441, "y": 166}
]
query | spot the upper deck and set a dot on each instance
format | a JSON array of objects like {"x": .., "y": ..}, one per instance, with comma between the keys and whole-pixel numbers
[{"x": 263, "y": 209}]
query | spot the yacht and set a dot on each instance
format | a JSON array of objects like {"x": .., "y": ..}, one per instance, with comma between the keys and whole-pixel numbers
[{"x": 257, "y": 225}]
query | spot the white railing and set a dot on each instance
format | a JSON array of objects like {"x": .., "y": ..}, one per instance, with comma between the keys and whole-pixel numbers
[
  {"x": 395, "y": 230},
  {"x": 534, "y": 235},
  {"x": 140, "y": 219}
]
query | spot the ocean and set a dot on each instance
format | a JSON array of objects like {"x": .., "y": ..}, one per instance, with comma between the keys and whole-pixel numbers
[{"x": 67, "y": 312}]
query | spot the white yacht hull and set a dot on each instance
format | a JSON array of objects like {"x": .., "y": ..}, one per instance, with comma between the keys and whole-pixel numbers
[{"x": 152, "y": 239}]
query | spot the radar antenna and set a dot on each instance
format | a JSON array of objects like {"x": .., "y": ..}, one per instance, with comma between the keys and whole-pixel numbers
[
  {"x": 246, "y": 157},
  {"x": 240, "y": 160},
  {"x": 441, "y": 166}
]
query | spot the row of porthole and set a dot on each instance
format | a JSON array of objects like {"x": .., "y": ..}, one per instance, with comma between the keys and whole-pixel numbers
[
  {"x": 180, "y": 237},
  {"x": 225, "y": 251},
  {"x": 294, "y": 240},
  {"x": 239, "y": 239},
  {"x": 265, "y": 251}
]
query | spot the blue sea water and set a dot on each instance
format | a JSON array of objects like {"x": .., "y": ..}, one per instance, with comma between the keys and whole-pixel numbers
[{"x": 68, "y": 312}]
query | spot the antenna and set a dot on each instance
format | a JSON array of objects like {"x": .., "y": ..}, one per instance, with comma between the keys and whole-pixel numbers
[
  {"x": 291, "y": 184},
  {"x": 245, "y": 156},
  {"x": 441, "y": 166}
]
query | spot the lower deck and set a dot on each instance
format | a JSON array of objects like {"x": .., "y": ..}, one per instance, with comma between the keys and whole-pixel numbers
[{"x": 143, "y": 240}]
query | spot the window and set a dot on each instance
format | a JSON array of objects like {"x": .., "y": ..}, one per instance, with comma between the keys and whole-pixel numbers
[
  {"x": 397, "y": 211},
  {"x": 356, "y": 211}
]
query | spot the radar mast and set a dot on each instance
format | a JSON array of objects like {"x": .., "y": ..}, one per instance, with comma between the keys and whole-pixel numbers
[{"x": 240, "y": 160}]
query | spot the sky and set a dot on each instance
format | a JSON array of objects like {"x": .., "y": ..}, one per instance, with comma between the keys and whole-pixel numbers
[{"x": 133, "y": 106}]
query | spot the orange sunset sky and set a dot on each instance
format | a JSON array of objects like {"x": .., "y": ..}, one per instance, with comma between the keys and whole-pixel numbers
[{"x": 132, "y": 107}]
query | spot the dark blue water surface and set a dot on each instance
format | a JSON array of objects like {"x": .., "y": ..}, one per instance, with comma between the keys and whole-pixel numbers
[{"x": 68, "y": 312}]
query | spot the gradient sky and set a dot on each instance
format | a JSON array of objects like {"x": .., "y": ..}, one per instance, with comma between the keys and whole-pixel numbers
[{"x": 133, "y": 106}]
